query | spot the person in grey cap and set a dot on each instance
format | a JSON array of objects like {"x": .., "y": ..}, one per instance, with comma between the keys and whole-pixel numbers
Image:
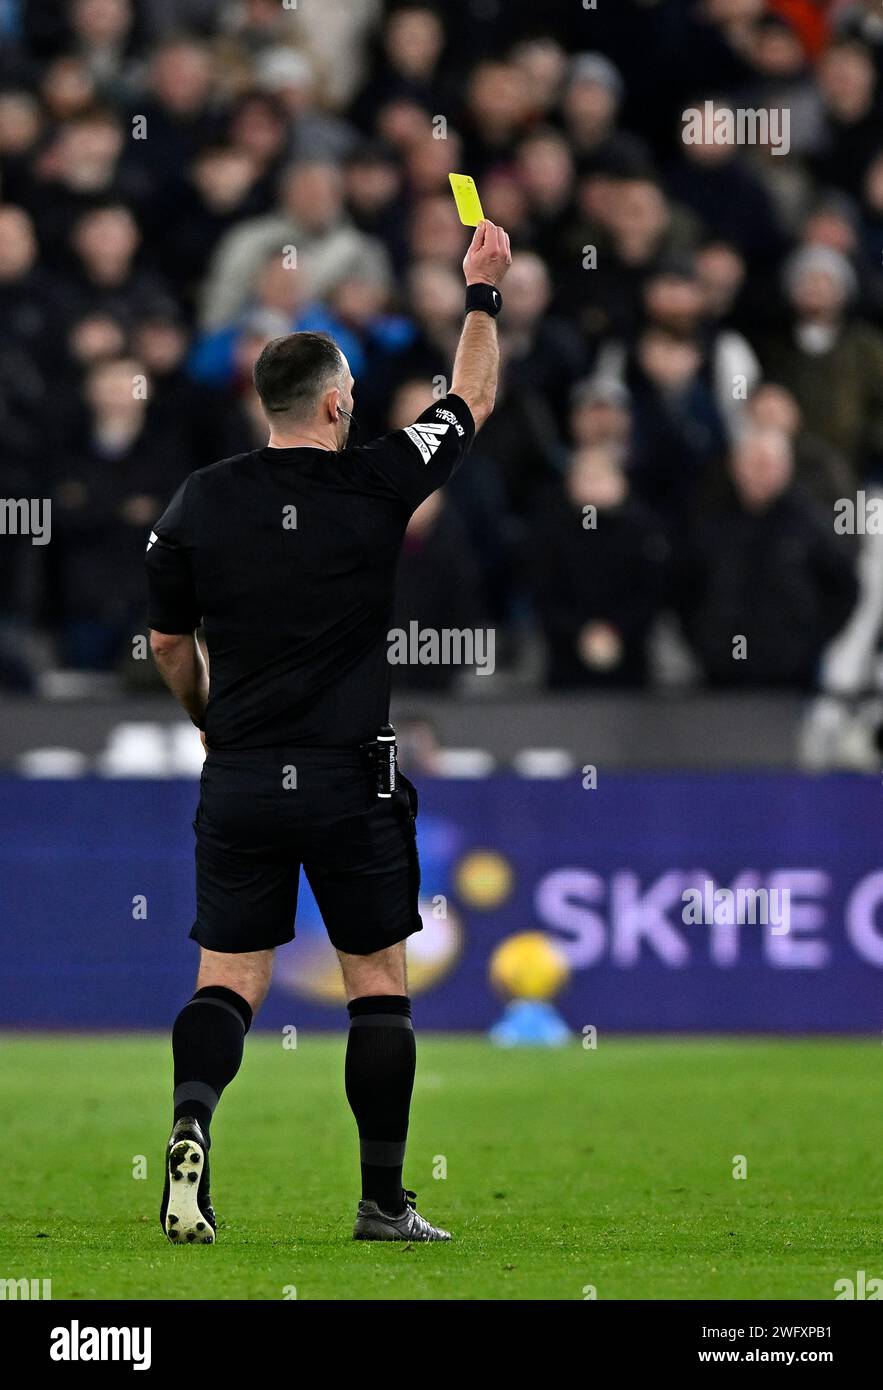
[
  {"x": 596, "y": 68},
  {"x": 288, "y": 75},
  {"x": 591, "y": 102},
  {"x": 601, "y": 413},
  {"x": 830, "y": 362},
  {"x": 591, "y": 107},
  {"x": 816, "y": 264}
]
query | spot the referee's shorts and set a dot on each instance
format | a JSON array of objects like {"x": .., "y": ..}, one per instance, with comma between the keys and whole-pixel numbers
[{"x": 265, "y": 812}]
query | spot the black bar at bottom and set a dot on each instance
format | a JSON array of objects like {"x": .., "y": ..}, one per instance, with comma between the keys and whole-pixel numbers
[{"x": 62, "y": 1338}]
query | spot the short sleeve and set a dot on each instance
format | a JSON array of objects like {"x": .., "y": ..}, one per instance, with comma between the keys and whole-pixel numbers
[
  {"x": 172, "y": 603},
  {"x": 414, "y": 462}
]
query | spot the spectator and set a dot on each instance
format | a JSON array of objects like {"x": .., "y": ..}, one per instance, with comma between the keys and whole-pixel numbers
[
  {"x": 632, "y": 226},
  {"x": 90, "y": 339},
  {"x": 435, "y": 233},
  {"x": 436, "y": 297},
  {"x": 543, "y": 351},
  {"x": 716, "y": 183},
  {"x": 475, "y": 509},
  {"x": 769, "y": 586},
  {"x": 542, "y": 65},
  {"x": 784, "y": 80},
  {"x": 674, "y": 299},
  {"x": 259, "y": 132},
  {"x": 21, "y": 127},
  {"x": 818, "y": 469},
  {"x": 831, "y": 363},
  {"x": 870, "y": 232},
  {"x": 496, "y": 113},
  {"x": 590, "y": 107},
  {"x": 409, "y": 67},
  {"x": 104, "y": 35},
  {"x": 221, "y": 188},
  {"x": 105, "y": 273},
  {"x": 282, "y": 293},
  {"x": 679, "y": 436},
  {"x": 598, "y": 569},
  {"x": 288, "y": 78},
  {"x": 438, "y": 588},
  {"x": 721, "y": 272},
  {"x": 375, "y": 199},
  {"x": 848, "y": 87},
  {"x": 26, "y": 300},
  {"x": 505, "y": 202},
  {"x": 310, "y": 229},
  {"x": 108, "y": 489},
  {"x": 67, "y": 88},
  {"x": 212, "y": 426},
  {"x": 545, "y": 169},
  {"x": 860, "y": 20},
  {"x": 178, "y": 109},
  {"x": 600, "y": 414},
  {"x": 80, "y": 170}
]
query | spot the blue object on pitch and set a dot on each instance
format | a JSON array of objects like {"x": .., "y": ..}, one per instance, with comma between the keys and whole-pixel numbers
[{"x": 530, "y": 1023}]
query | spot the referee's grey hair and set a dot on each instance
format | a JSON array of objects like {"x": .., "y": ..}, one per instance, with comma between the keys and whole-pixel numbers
[{"x": 294, "y": 371}]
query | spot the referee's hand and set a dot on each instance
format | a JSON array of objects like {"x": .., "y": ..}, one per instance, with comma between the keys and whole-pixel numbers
[{"x": 489, "y": 256}]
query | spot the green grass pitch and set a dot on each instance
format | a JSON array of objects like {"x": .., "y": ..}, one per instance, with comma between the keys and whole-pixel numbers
[{"x": 610, "y": 1168}]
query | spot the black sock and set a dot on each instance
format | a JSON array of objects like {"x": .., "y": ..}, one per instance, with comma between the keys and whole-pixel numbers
[
  {"x": 380, "y": 1063},
  {"x": 207, "y": 1042}
]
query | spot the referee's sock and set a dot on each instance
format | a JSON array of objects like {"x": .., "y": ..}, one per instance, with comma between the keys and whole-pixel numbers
[
  {"x": 381, "y": 1058},
  {"x": 207, "y": 1043}
]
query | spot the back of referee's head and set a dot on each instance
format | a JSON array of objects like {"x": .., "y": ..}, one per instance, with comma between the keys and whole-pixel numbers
[{"x": 301, "y": 379}]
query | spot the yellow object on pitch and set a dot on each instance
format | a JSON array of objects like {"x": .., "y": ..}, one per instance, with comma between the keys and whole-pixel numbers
[
  {"x": 529, "y": 966},
  {"x": 467, "y": 199}
]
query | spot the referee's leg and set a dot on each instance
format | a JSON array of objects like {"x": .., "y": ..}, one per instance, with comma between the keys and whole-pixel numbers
[
  {"x": 207, "y": 1042},
  {"x": 380, "y": 1065},
  {"x": 208, "y": 1037}
]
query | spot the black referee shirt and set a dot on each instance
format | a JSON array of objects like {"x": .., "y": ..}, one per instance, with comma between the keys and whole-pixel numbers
[{"x": 288, "y": 557}]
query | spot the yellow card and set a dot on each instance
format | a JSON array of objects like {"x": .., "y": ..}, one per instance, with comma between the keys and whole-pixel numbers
[{"x": 467, "y": 199}]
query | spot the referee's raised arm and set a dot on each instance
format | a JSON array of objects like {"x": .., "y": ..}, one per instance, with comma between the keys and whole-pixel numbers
[{"x": 477, "y": 363}]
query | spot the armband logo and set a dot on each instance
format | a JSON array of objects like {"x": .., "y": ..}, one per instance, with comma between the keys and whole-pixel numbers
[{"x": 427, "y": 437}]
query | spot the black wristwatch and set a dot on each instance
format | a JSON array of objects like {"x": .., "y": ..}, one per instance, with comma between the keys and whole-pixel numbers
[{"x": 485, "y": 298}]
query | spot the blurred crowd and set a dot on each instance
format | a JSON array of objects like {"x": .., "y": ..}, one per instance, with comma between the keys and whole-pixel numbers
[{"x": 692, "y": 337}]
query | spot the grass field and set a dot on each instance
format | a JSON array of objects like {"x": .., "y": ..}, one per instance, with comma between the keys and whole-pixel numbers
[{"x": 611, "y": 1168}]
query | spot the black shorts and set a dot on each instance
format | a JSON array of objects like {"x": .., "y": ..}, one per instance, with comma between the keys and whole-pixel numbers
[{"x": 263, "y": 813}]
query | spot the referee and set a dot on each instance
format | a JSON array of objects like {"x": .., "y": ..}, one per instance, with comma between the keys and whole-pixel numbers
[{"x": 287, "y": 557}]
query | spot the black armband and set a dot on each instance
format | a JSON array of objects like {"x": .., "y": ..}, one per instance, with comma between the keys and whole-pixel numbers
[{"x": 485, "y": 298}]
